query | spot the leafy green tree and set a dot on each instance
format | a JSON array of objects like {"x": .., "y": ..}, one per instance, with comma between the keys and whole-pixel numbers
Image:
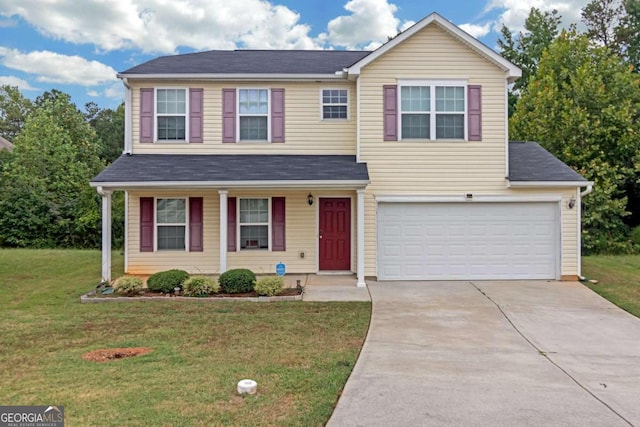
[
  {"x": 109, "y": 126},
  {"x": 583, "y": 105},
  {"x": 603, "y": 19},
  {"x": 525, "y": 49},
  {"x": 14, "y": 109},
  {"x": 616, "y": 25},
  {"x": 45, "y": 198}
]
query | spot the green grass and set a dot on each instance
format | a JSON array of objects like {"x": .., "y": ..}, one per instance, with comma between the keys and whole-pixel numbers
[
  {"x": 619, "y": 279},
  {"x": 299, "y": 353}
]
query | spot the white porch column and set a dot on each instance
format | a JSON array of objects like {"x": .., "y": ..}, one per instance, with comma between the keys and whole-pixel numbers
[
  {"x": 106, "y": 234},
  {"x": 223, "y": 230},
  {"x": 360, "y": 237}
]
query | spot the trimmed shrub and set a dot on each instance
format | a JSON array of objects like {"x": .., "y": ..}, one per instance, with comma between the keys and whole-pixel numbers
[
  {"x": 166, "y": 281},
  {"x": 198, "y": 286},
  {"x": 237, "y": 281},
  {"x": 128, "y": 285},
  {"x": 269, "y": 286}
]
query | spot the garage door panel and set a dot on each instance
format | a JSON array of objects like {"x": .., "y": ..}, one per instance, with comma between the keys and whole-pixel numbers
[{"x": 461, "y": 241}]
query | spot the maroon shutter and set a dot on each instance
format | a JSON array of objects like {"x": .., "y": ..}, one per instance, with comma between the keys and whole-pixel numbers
[
  {"x": 277, "y": 115},
  {"x": 231, "y": 224},
  {"x": 474, "y": 113},
  {"x": 228, "y": 115},
  {"x": 195, "y": 224},
  {"x": 278, "y": 224},
  {"x": 146, "y": 115},
  {"x": 195, "y": 115},
  {"x": 390, "y": 101},
  {"x": 146, "y": 224}
]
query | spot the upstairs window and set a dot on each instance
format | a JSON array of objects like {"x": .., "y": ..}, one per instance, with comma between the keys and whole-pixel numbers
[
  {"x": 335, "y": 104},
  {"x": 171, "y": 116},
  {"x": 253, "y": 114},
  {"x": 432, "y": 110}
]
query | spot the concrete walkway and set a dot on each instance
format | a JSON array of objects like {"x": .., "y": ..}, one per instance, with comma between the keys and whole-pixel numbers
[
  {"x": 333, "y": 288},
  {"x": 523, "y": 353}
]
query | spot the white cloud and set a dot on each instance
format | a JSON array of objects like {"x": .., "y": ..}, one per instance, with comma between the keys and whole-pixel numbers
[
  {"x": 16, "y": 81},
  {"x": 370, "y": 21},
  {"x": 160, "y": 26},
  {"x": 115, "y": 91},
  {"x": 515, "y": 12},
  {"x": 93, "y": 93},
  {"x": 477, "y": 31},
  {"x": 51, "y": 67}
]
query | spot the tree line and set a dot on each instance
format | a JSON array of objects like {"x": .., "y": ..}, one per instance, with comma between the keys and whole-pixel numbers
[
  {"x": 579, "y": 97},
  {"x": 45, "y": 197}
]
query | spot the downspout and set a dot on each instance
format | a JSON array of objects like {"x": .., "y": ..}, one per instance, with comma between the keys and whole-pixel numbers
[
  {"x": 128, "y": 149},
  {"x": 588, "y": 190}
]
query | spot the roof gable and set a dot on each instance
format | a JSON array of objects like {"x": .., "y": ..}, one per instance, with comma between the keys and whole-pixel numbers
[{"x": 512, "y": 71}]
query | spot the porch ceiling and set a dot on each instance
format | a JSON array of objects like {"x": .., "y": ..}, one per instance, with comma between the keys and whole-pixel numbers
[{"x": 232, "y": 170}]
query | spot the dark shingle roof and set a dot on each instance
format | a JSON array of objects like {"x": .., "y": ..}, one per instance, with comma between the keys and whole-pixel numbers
[
  {"x": 528, "y": 161},
  {"x": 231, "y": 167},
  {"x": 252, "y": 62}
]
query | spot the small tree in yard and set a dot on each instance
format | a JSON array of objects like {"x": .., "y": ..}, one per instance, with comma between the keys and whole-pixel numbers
[{"x": 583, "y": 105}]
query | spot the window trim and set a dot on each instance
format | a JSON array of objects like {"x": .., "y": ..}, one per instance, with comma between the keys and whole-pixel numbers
[
  {"x": 322, "y": 104},
  {"x": 238, "y": 224},
  {"x": 156, "y": 114},
  {"x": 432, "y": 84},
  {"x": 238, "y": 115},
  {"x": 156, "y": 224}
]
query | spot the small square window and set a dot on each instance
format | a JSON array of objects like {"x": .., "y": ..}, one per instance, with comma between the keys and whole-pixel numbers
[{"x": 335, "y": 104}]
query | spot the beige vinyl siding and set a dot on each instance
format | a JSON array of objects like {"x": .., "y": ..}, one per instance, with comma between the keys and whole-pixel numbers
[
  {"x": 305, "y": 131},
  {"x": 430, "y": 167},
  {"x": 301, "y": 235},
  {"x": 205, "y": 262},
  {"x": 441, "y": 167}
]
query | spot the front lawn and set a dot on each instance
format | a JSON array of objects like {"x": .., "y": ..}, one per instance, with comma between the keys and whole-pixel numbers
[
  {"x": 619, "y": 279},
  {"x": 299, "y": 353}
]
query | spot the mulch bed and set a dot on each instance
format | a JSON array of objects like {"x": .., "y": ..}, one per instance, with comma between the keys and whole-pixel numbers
[
  {"x": 108, "y": 354},
  {"x": 148, "y": 293}
]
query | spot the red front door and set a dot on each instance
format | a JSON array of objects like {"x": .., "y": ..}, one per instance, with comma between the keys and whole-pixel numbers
[{"x": 335, "y": 234}]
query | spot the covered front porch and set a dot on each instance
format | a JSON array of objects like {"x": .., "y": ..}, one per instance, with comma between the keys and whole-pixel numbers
[{"x": 207, "y": 227}]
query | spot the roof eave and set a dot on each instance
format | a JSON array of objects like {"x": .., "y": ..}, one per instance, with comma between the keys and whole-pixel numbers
[
  {"x": 349, "y": 184},
  {"x": 511, "y": 70},
  {"x": 529, "y": 184},
  {"x": 338, "y": 75}
]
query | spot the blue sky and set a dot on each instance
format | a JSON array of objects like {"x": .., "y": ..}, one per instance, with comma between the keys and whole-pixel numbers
[{"x": 77, "y": 46}]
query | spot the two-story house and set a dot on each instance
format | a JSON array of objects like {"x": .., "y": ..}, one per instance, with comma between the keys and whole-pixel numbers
[{"x": 392, "y": 164}]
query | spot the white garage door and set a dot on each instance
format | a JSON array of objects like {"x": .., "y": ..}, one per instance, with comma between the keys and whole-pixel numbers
[{"x": 466, "y": 241}]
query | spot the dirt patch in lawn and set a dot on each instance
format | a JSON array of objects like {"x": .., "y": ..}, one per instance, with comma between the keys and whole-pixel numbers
[{"x": 108, "y": 354}]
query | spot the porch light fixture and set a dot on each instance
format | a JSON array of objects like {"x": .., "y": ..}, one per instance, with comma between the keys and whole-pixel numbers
[
  {"x": 571, "y": 203},
  {"x": 310, "y": 199}
]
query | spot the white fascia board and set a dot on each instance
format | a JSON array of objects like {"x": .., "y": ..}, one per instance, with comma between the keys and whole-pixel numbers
[
  {"x": 232, "y": 184},
  {"x": 512, "y": 71},
  {"x": 529, "y": 184},
  {"x": 212, "y": 76},
  {"x": 461, "y": 198}
]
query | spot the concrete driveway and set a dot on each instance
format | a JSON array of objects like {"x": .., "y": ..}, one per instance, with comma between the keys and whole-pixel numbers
[{"x": 520, "y": 353}]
